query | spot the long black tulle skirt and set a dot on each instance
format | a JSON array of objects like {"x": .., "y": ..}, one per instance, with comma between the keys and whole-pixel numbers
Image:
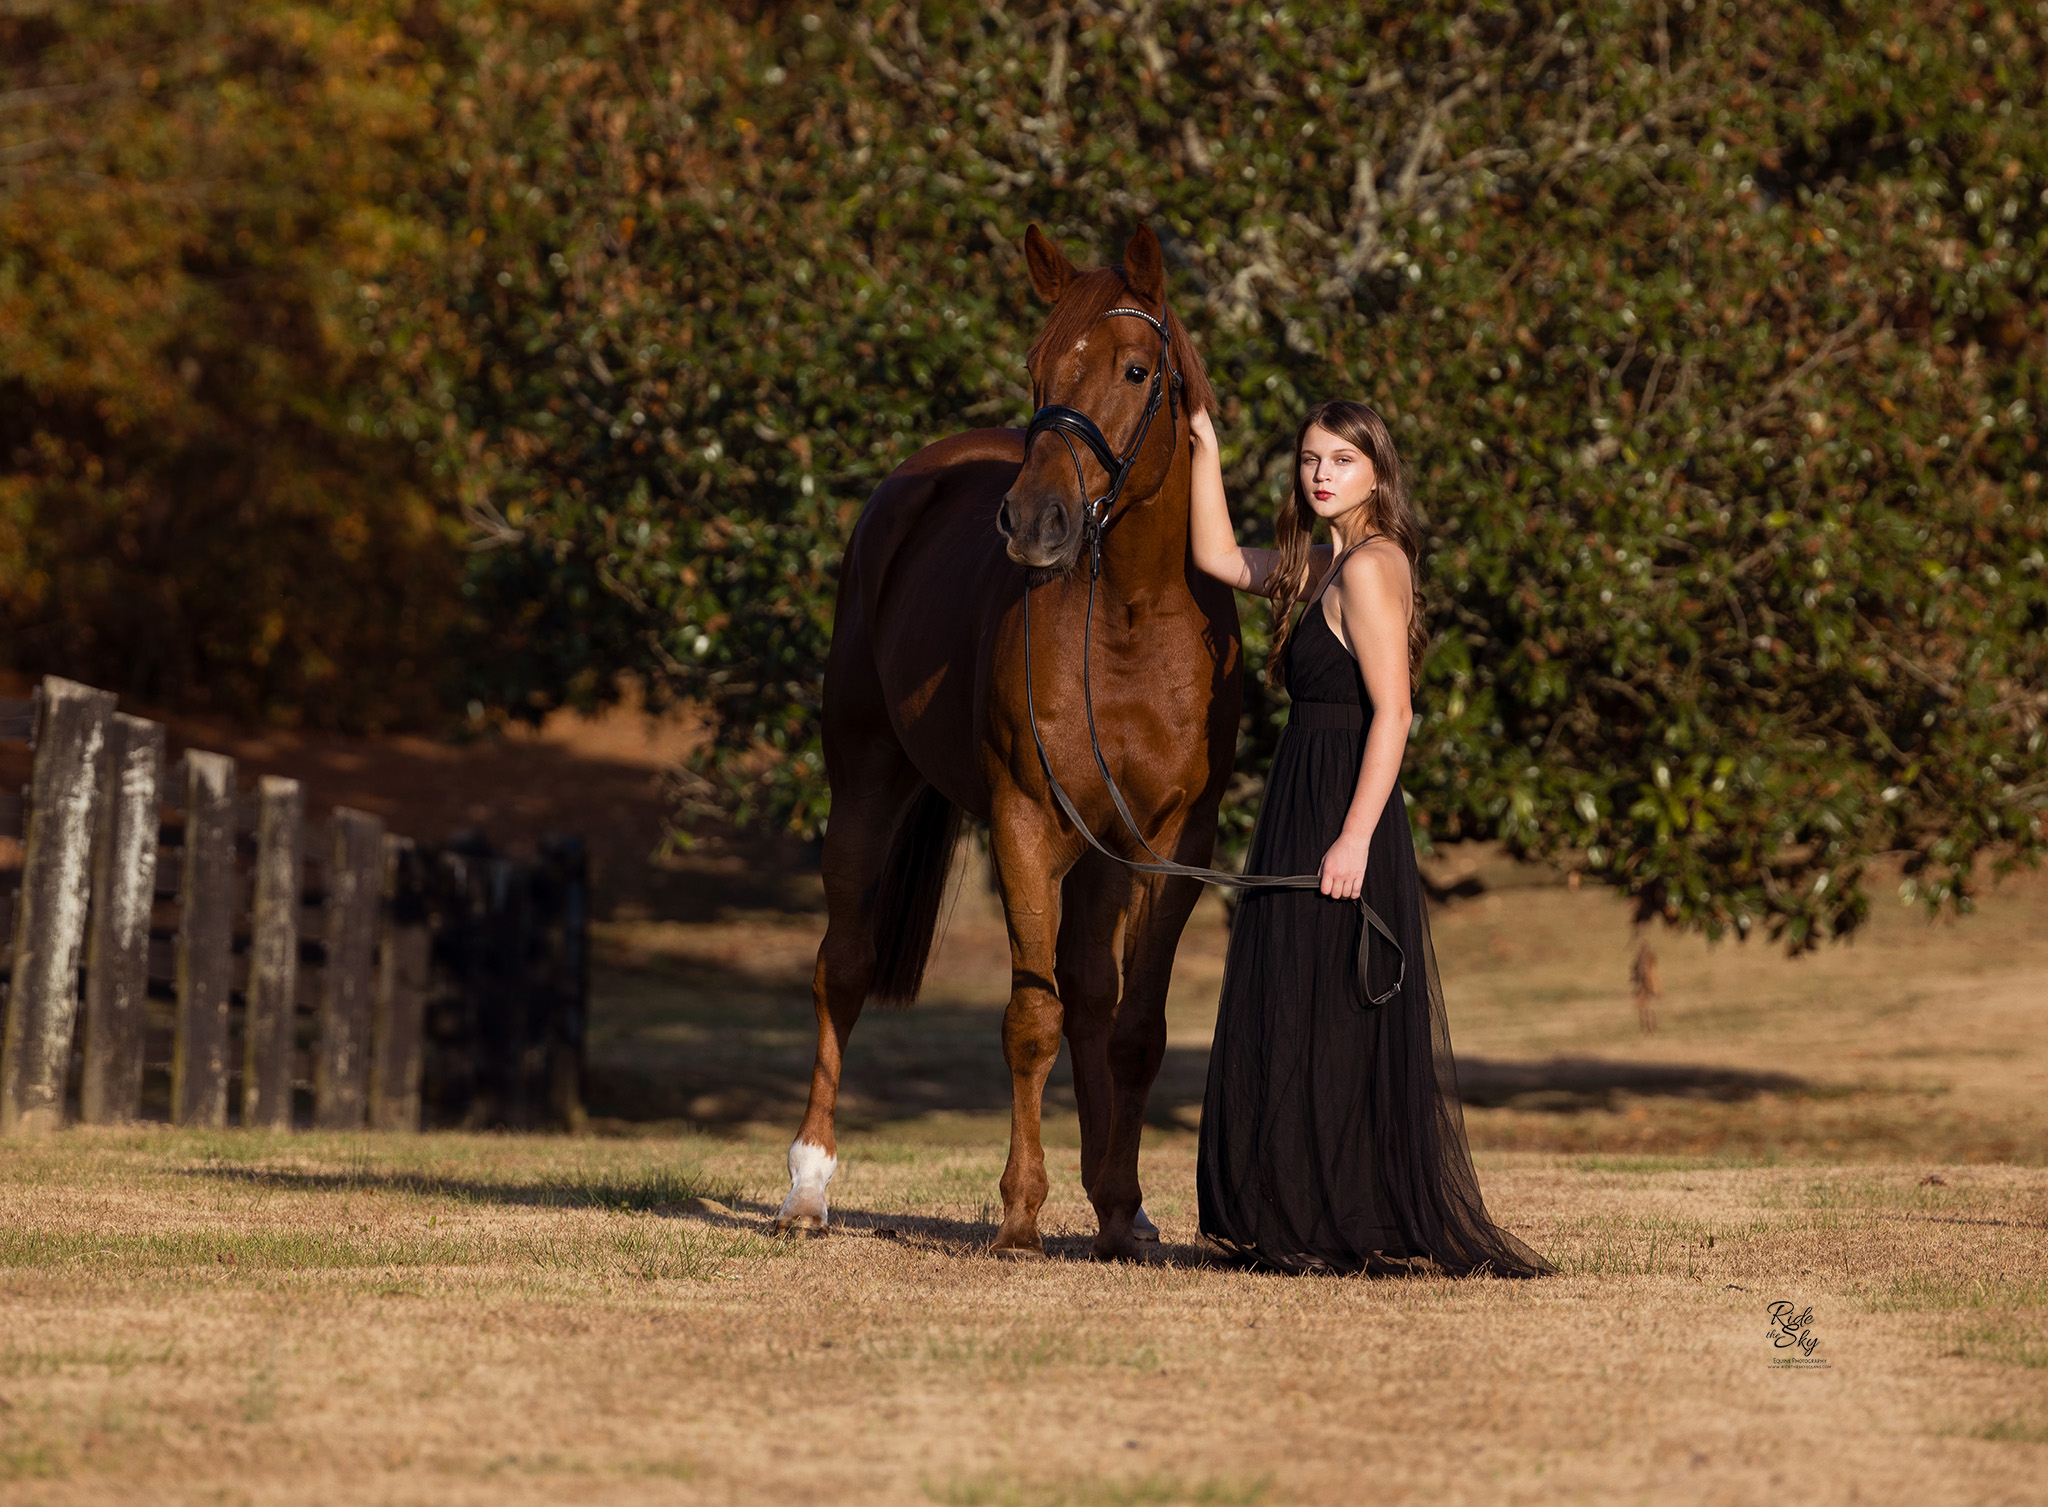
[{"x": 1332, "y": 1138}]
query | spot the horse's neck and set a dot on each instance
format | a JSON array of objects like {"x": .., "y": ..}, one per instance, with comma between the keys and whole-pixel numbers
[{"x": 1144, "y": 552}]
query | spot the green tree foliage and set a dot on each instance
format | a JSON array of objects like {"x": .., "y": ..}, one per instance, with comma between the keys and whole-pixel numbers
[
  {"x": 1710, "y": 332},
  {"x": 196, "y": 504}
]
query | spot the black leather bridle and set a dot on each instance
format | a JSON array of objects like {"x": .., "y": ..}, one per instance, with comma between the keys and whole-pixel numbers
[{"x": 1071, "y": 424}]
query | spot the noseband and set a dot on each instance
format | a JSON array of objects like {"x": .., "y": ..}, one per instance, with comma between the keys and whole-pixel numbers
[{"x": 1072, "y": 424}]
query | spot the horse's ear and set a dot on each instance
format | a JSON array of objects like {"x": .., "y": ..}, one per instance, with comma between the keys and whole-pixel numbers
[
  {"x": 1143, "y": 268},
  {"x": 1051, "y": 272}
]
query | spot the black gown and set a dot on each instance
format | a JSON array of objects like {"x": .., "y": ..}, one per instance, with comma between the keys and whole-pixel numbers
[{"x": 1332, "y": 1138}]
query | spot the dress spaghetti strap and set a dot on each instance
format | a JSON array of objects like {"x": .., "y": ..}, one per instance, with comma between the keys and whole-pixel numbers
[{"x": 1322, "y": 587}]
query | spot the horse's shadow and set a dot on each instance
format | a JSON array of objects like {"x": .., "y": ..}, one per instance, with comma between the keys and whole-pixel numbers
[
  {"x": 959, "y": 1238},
  {"x": 654, "y": 1195}
]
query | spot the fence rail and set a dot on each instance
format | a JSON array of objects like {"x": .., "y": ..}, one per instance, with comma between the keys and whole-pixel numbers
[{"x": 182, "y": 946}]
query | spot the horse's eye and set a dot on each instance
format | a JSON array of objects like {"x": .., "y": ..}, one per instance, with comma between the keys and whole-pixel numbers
[{"x": 1135, "y": 373}]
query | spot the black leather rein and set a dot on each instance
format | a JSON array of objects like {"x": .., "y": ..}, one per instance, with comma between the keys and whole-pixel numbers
[{"x": 1071, "y": 424}]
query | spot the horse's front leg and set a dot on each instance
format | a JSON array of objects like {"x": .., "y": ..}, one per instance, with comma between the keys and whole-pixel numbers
[
  {"x": 1091, "y": 908},
  {"x": 1030, "y": 865},
  {"x": 1093, "y": 902},
  {"x": 1137, "y": 1045}
]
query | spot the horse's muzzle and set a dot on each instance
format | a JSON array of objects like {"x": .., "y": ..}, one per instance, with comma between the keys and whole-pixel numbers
[{"x": 1044, "y": 538}]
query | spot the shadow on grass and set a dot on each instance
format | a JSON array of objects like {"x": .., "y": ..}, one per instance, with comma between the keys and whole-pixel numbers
[
  {"x": 651, "y": 1191},
  {"x": 688, "y": 1197},
  {"x": 685, "y": 1196},
  {"x": 1567, "y": 1085},
  {"x": 947, "y": 1237}
]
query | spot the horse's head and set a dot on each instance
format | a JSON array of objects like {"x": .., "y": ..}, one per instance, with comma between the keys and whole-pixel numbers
[{"x": 1096, "y": 366}]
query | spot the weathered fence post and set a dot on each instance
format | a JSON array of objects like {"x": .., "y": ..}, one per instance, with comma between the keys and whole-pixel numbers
[
  {"x": 514, "y": 1064},
  {"x": 49, "y": 921},
  {"x": 206, "y": 938},
  {"x": 567, "y": 868},
  {"x": 273, "y": 956},
  {"x": 355, "y": 883},
  {"x": 402, "y": 978},
  {"x": 124, "y": 889},
  {"x": 451, "y": 1075}
]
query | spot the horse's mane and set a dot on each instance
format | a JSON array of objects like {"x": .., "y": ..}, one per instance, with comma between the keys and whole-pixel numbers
[{"x": 1093, "y": 294}]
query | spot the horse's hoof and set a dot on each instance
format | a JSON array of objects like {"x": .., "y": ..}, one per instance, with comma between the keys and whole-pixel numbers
[
  {"x": 1018, "y": 1245},
  {"x": 1115, "y": 1248},
  {"x": 1142, "y": 1228},
  {"x": 810, "y": 1171}
]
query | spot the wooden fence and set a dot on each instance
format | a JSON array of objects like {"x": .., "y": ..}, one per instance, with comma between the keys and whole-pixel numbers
[{"x": 185, "y": 950}]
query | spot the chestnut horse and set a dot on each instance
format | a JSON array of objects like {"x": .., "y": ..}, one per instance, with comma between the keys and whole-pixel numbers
[{"x": 926, "y": 718}]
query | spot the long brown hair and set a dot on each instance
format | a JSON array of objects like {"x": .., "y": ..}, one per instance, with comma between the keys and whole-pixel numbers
[{"x": 1361, "y": 425}]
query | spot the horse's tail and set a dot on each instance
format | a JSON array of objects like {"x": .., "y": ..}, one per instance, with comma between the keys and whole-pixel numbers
[{"x": 908, "y": 894}]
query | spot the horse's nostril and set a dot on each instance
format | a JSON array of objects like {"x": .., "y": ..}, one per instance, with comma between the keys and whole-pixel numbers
[
  {"x": 1003, "y": 524},
  {"x": 1055, "y": 525}
]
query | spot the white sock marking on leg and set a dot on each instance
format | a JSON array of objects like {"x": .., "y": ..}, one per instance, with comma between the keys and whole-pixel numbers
[{"x": 810, "y": 1169}]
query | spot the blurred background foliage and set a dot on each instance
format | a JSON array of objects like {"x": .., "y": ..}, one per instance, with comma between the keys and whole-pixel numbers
[
  {"x": 193, "y": 509},
  {"x": 1711, "y": 332}
]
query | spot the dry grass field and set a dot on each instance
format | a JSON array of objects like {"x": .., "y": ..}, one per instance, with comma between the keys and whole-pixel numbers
[{"x": 450, "y": 1319}]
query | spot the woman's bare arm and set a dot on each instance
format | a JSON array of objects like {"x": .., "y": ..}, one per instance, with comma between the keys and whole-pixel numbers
[
  {"x": 1373, "y": 597},
  {"x": 1210, "y": 536}
]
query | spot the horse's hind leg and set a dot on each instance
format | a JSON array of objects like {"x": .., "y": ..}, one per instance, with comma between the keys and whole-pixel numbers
[{"x": 867, "y": 805}]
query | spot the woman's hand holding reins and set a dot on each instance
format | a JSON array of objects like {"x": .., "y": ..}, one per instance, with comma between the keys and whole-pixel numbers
[{"x": 1343, "y": 867}]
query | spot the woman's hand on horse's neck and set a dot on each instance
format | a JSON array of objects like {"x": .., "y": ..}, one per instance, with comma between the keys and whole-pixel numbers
[{"x": 1211, "y": 539}]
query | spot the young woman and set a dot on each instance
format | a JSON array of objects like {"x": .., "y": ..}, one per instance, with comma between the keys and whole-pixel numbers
[{"x": 1332, "y": 1137}]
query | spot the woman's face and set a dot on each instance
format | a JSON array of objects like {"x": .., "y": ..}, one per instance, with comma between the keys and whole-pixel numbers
[{"x": 1336, "y": 476}]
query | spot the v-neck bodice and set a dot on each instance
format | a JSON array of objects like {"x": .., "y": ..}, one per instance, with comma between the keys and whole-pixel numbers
[{"x": 1319, "y": 668}]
